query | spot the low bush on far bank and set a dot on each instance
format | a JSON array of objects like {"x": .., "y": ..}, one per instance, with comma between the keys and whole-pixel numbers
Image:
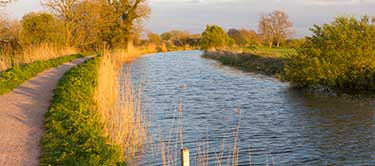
[
  {"x": 339, "y": 55},
  {"x": 272, "y": 66},
  {"x": 14, "y": 77}
]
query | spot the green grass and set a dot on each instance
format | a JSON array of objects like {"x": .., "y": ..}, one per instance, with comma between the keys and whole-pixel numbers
[
  {"x": 15, "y": 76},
  {"x": 269, "y": 52},
  {"x": 73, "y": 132},
  {"x": 268, "y": 61}
]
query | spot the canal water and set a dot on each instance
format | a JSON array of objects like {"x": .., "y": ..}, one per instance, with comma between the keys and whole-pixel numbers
[{"x": 268, "y": 121}]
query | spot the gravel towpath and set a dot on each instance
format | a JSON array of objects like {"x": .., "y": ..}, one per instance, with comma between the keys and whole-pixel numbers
[{"x": 22, "y": 116}]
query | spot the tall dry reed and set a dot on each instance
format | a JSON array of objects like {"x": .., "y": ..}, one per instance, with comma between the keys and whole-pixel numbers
[
  {"x": 119, "y": 102},
  {"x": 10, "y": 57}
]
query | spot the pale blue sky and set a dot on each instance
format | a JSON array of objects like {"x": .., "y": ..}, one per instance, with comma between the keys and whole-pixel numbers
[{"x": 193, "y": 15}]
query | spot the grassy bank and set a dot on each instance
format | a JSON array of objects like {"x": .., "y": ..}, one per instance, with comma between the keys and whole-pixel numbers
[
  {"x": 249, "y": 62},
  {"x": 15, "y": 76},
  {"x": 269, "y": 52},
  {"x": 73, "y": 131},
  {"x": 95, "y": 116}
]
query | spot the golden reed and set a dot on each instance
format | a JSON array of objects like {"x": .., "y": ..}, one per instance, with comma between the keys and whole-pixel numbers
[
  {"x": 30, "y": 54},
  {"x": 119, "y": 103}
]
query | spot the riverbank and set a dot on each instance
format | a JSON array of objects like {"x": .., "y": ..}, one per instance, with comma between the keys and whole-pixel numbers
[
  {"x": 274, "y": 63},
  {"x": 268, "y": 65},
  {"x": 72, "y": 133},
  {"x": 94, "y": 118}
]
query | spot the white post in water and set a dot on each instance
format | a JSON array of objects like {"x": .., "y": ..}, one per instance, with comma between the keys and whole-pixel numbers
[{"x": 185, "y": 157}]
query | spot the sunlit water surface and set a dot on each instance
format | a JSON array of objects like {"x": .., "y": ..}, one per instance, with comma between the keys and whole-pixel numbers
[{"x": 278, "y": 125}]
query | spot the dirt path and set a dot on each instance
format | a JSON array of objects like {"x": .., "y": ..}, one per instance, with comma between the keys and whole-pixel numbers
[{"x": 22, "y": 116}]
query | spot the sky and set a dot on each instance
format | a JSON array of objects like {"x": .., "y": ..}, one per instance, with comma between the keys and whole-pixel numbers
[{"x": 194, "y": 15}]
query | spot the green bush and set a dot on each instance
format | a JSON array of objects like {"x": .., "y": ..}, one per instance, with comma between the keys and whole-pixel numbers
[
  {"x": 38, "y": 28},
  {"x": 73, "y": 132},
  {"x": 340, "y": 55},
  {"x": 13, "y": 77},
  {"x": 214, "y": 37}
]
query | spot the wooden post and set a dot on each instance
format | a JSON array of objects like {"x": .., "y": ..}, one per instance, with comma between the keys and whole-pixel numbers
[{"x": 185, "y": 157}]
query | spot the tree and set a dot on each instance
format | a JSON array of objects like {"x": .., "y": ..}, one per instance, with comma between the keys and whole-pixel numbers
[
  {"x": 119, "y": 19},
  {"x": 214, "y": 37},
  {"x": 154, "y": 38},
  {"x": 266, "y": 30},
  {"x": 282, "y": 26},
  {"x": 64, "y": 9},
  {"x": 275, "y": 27},
  {"x": 88, "y": 22},
  {"x": 40, "y": 28},
  {"x": 244, "y": 37},
  {"x": 9, "y": 36}
]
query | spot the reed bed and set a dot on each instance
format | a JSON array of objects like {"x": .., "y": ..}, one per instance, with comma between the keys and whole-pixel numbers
[
  {"x": 42, "y": 52},
  {"x": 119, "y": 102}
]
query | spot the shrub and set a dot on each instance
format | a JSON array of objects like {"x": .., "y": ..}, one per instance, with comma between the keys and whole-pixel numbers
[{"x": 340, "y": 55}]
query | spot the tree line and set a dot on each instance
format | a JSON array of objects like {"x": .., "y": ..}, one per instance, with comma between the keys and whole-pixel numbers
[
  {"x": 84, "y": 24},
  {"x": 274, "y": 30}
]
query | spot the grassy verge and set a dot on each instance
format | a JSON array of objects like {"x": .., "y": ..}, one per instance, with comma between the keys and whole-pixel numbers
[
  {"x": 13, "y": 77},
  {"x": 73, "y": 130},
  {"x": 269, "y": 52},
  {"x": 10, "y": 57},
  {"x": 268, "y": 65}
]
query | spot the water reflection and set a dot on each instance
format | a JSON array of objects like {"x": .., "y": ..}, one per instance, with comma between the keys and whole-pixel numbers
[{"x": 285, "y": 126}]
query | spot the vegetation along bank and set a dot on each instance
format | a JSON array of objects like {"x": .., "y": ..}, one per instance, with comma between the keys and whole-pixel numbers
[
  {"x": 338, "y": 55},
  {"x": 11, "y": 78},
  {"x": 73, "y": 135}
]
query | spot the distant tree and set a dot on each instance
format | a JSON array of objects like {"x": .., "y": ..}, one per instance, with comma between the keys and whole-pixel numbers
[
  {"x": 180, "y": 38},
  {"x": 154, "y": 38},
  {"x": 275, "y": 27},
  {"x": 40, "y": 28},
  {"x": 266, "y": 30},
  {"x": 175, "y": 35},
  {"x": 166, "y": 36},
  {"x": 64, "y": 9},
  {"x": 214, "y": 37},
  {"x": 244, "y": 37}
]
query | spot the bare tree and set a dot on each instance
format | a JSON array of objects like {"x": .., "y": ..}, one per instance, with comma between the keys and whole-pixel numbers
[
  {"x": 275, "y": 27},
  {"x": 64, "y": 9},
  {"x": 282, "y": 26},
  {"x": 266, "y": 29}
]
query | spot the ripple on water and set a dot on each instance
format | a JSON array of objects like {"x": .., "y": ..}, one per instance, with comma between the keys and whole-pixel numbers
[{"x": 287, "y": 126}]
